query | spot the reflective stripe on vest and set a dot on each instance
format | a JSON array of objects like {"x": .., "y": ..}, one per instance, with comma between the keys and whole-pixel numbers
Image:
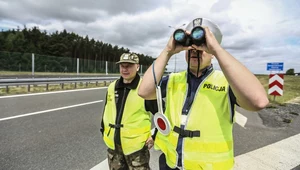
[
  {"x": 210, "y": 113},
  {"x": 136, "y": 121}
]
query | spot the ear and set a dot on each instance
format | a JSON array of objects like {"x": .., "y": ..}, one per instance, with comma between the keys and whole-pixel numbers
[{"x": 138, "y": 67}]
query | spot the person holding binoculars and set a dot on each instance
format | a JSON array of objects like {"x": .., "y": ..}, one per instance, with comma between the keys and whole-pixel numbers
[{"x": 200, "y": 102}]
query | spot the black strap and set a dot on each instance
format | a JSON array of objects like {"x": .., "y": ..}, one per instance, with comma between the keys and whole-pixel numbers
[
  {"x": 117, "y": 126},
  {"x": 186, "y": 133}
]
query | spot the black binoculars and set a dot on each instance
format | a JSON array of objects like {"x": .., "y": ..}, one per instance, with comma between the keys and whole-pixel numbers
[{"x": 196, "y": 37}]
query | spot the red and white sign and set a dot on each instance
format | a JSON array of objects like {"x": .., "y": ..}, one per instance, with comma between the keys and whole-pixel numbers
[
  {"x": 276, "y": 84},
  {"x": 160, "y": 120},
  {"x": 162, "y": 123}
]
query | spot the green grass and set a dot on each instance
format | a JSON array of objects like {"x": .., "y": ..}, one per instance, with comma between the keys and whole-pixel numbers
[{"x": 291, "y": 88}]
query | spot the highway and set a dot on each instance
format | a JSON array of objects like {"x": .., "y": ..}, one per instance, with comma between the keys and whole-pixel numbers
[{"x": 60, "y": 130}]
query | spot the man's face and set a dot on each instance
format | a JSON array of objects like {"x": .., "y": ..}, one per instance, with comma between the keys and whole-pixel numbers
[
  {"x": 128, "y": 70},
  {"x": 204, "y": 58}
]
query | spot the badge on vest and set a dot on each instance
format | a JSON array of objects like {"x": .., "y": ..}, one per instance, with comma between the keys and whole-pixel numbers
[
  {"x": 116, "y": 96},
  {"x": 109, "y": 98},
  {"x": 214, "y": 87}
]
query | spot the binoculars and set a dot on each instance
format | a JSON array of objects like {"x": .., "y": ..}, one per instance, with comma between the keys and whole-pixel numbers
[{"x": 196, "y": 37}]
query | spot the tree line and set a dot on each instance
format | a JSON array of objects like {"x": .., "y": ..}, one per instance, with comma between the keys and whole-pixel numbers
[{"x": 61, "y": 44}]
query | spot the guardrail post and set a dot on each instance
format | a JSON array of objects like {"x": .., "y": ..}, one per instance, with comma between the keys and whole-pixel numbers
[
  {"x": 86, "y": 84},
  {"x": 28, "y": 88},
  {"x": 104, "y": 83},
  {"x": 62, "y": 85},
  {"x": 106, "y": 67},
  {"x": 96, "y": 83},
  {"x": 7, "y": 89},
  {"x": 32, "y": 66},
  {"x": 77, "y": 66},
  {"x": 75, "y": 85},
  {"x": 47, "y": 87}
]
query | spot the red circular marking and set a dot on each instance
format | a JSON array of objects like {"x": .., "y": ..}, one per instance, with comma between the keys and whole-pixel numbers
[{"x": 161, "y": 124}]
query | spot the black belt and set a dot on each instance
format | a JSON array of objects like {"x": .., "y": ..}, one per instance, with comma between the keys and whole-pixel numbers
[
  {"x": 117, "y": 126},
  {"x": 186, "y": 133}
]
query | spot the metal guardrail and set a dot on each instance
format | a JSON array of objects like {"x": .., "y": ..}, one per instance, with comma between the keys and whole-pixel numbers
[{"x": 38, "y": 81}]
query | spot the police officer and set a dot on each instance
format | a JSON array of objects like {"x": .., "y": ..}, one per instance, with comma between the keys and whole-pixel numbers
[
  {"x": 200, "y": 102},
  {"x": 126, "y": 122}
]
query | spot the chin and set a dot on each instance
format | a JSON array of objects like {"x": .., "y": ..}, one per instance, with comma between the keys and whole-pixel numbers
[
  {"x": 195, "y": 65},
  {"x": 125, "y": 77}
]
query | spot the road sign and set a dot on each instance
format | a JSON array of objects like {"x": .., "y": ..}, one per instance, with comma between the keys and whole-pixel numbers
[
  {"x": 274, "y": 66},
  {"x": 161, "y": 122},
  {"x": 276, "y": 84}
]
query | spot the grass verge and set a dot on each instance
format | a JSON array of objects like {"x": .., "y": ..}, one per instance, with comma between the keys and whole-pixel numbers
[{"x": 291, "y": 88}]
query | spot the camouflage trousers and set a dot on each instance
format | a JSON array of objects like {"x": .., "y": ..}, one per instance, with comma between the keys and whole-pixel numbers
[{"x": 138, "y": 160}]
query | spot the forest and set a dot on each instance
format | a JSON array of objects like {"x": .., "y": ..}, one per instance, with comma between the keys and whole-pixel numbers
[{"x": 57, "y": 51}]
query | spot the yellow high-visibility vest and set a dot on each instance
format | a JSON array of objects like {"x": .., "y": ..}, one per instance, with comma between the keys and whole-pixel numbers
[
  {"x": 210, "y": 113},
  {"x": 136, "y": 121}
]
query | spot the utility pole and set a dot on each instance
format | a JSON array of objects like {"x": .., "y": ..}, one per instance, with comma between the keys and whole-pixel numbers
[{"x": 175, "y": 63}]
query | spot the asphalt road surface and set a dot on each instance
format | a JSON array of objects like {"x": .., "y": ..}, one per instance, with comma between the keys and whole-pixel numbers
[{"x": 60, "y": 130}]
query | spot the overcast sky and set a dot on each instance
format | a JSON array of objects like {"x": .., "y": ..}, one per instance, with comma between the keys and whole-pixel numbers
[{"x": 256, "y": 32}]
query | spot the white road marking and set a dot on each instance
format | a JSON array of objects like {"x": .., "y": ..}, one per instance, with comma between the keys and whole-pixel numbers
[
  {"x": 281, "y": 155},
  {"x": 50, "y": 110},
  {"x": 240, "y": 119},
  {"x": 53, "y": 92},
  {"x": 101, "y": 166}
]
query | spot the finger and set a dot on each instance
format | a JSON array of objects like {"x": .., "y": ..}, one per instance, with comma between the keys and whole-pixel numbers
[
  {"x": 188, "y": 48},
  {"x": 150, "y": 145},
  {"x": 201, "y": 47},
  {"x": 207, "y": 31},
  {"x": 188, "y": 32}
]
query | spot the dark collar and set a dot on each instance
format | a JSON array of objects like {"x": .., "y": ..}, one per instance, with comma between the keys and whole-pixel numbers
[
  {"x": 205, "y": 72},
  {"x": 133, "y": 85}
]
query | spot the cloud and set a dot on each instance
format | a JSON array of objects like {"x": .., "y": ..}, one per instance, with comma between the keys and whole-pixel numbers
[{"x": 255, "y": 32}]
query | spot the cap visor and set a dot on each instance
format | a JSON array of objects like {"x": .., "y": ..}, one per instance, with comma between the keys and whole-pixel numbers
[{"x": 129, "y": 61}]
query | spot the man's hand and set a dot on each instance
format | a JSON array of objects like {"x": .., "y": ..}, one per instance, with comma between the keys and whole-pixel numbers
[
  {"x": 211, "y": 46},
  {"x": 149, "y": 143},
  {"x": 173, "y": 48}
]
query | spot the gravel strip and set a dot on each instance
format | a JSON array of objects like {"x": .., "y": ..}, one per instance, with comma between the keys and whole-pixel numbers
[{"x": 277, "y": 116}]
